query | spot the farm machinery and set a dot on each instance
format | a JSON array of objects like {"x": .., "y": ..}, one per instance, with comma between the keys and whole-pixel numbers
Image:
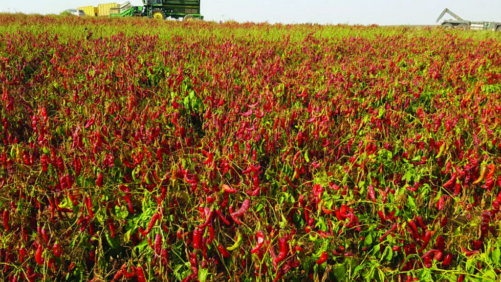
[
  {"x": 177, "y": 9},
  {"x": 459, "y": 23},
  {"x": 157, "y": 9}
]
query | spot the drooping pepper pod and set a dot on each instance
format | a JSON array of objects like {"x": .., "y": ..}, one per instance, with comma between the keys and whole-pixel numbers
[{"x": 260, "y": 238}]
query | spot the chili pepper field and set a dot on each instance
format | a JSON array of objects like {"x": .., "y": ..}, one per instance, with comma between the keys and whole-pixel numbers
[{"x": 143, "y": 150}]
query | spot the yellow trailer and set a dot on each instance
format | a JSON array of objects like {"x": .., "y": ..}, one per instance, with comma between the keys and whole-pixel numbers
[
  {"x": 89, "y": 11},
  {"x": 104, "y": 9}
]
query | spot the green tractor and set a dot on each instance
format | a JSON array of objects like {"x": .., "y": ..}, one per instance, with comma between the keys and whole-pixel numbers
[{"x": 177, "y": 9}]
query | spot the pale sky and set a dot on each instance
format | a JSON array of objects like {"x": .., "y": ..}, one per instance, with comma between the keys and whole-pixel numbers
[{"x": 382, "y": 12}]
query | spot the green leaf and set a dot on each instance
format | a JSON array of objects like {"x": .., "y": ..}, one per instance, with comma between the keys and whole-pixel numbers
[
  {"x": 491, "y": 274},
  {"x": 358, "y": 268},
  {"x": 368, "y": 240},
  {"x": 283, "y": 222},
  {"x": 451, "y": 277},
  {"x": 13, "y": 153},
  {"x": 259, "y": 207},
  {"x": 321, "y": 224},
  {"x": 442, "y": 148},
  {"x": 496, "y": 254},
  {"x": 306, "y": 157},
  {"x": 381, "y": 275},
  {"x": 313, "y": 238},
  {"x": 202, "y": 274},
  {"x": 408, "y": 175},
  {"x": 281, "y": 199},
  {"x": 411, "y": 202},
  {"x": 376, "y": 249},
  {"x": 339, "y": 272},
  {"x": 389, "y": 256},
  {"x": 141, "y": 246},
  {"x": 126, "y": 237},
  {"x": 469, "y": 267},
  {"x": 176, "y": 271}
]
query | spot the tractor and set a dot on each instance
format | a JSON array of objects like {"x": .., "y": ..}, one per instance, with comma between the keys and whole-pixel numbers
[
  {"x": 459, "y": 23},
  {"x": 176, "y": 9}
]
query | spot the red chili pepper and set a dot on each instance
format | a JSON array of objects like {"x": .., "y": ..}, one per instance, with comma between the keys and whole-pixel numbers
[
  {"x": 470, "y": 253},
  {"x": 451, "y": 181},
  {"x": 282, "y": 244},
  {"x": 140, "y": 274},
  {"x": 260, "y": 237},
  {"x": 440, "y": 203},
  {"x": 38, "y": 255},
  {"x": 457, "y": 190},
  {"x": 196, "y": 238},
  {"x": 225, "y": 200},
  {"x": 71, "y": 267},
  {"x": 414, "y": 229},
  {"x": 99, "y": 180},
  {"x": 129, "y": 274},
  {"x": 208, "y": 220},
  {"x": 343, "y": 211},
  {"x": 393, "y": 227},
  {"x": 129, "y": 204},
  {"x": 58, "y": 250},
  {"x": 291, "y": 184},
  {"x": 44, "y": 161},
  {"x": 228, "y": 189},
  {"x": 160, "y": 157},
  {"x": 211, "y": 235},
  {"x": 416, "y": 186},
  {"x": 243, "y": 208},
  {"x": 429, "y": 253},
  {"x": 78, "y": 166},
  {"x": 323, "y": 258},
  {"x": 22, "y": 254},
  {"x": 447, "y": 259},
  {"x": 112, "y": 227},
  {"x": 438, "y": 255},
  {"x": 221, "y": 216},
  {"x": 209, "y": 160},
  {"x": 152, "y": 223},
  {"x": 52, "y": 264},
  {"x": 118, "y": 275},
  {"x": 426, "y": 240},
  {"x": 158, "y": 244},
  {"x": 482, "y": 174},
  {"x": 298, "y": 248},
  {"x": 440, "y": 245},
  {"x": 88, "y": 202},
  {"x": 164, "y": 257},
  {"x": 443, "y": 222},
  {"x": 235, "y": 218},
  {"x": 372, "y": 193},
  {"x": 351, "y": 215},
  {"x": 492, "y": 169},
  {"x": 204, "y": 248},
  {"x": 6, "y": 220},
  {"x": 223, "y": 251},
  {"x": 420, "y": 221}
]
